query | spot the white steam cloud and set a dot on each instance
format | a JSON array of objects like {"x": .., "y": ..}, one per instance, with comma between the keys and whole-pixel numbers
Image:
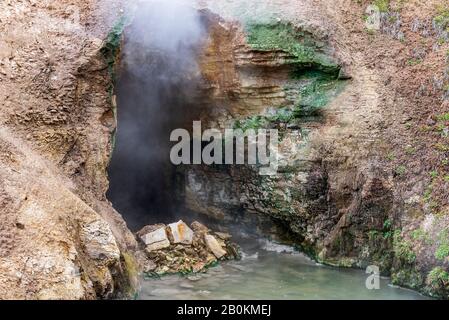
[{"x": 158, "y": 82}]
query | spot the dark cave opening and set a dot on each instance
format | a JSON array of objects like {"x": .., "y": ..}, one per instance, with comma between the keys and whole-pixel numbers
[
  {"x": 171, "y": 75},
  {"x": 157, "y": 91}
]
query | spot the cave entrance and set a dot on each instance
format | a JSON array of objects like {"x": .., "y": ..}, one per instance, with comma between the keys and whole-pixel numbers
[
  {"x": 228, "y": 76},
  {"x": 157, "y": 91}
]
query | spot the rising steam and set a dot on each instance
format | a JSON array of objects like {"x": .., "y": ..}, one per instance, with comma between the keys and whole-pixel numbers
[{"x": 158, "y": 79}]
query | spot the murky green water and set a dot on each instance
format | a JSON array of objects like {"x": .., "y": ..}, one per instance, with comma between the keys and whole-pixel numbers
[{"x": 270, "y": 271}]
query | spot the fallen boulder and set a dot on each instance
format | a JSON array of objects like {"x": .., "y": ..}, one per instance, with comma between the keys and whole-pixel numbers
[
  {"x": 155, "y": 240},
  {"x": 214, "y": 246},
  {"x": 177, "y": 248},
  {"x": 180, "y": 232}
]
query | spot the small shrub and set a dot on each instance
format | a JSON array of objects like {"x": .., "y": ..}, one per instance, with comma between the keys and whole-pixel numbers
[
  {"x": 442, "y": 147},
  {"x": 387, "y": 232},
  {"x": 387, "y": 224},
  {"x": 403, "y": 248},
  {"x": 414, "y": 62},
  {"x": 373, "y": 234},
  {"x": 421, "y": 235},
  {"x": 442, "y": 19},
  {"x": 442, "y": 251},
  {"x": 438, "y": 278},
  {"x": 391, "y": 156},
  {"x": 428, "y": 193},
  {"x": 383, "y": 5},
  {"x": 254, "y": 123},
  {"x": 410, "y": 150},
  {"x": 443, "y": 117},
  {"x": 434, "y": 174},
  {"x": 401, "y": 170}
]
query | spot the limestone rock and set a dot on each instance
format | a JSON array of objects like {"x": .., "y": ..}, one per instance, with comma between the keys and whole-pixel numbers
[
  {"x": 223, "y": 235},
  {"x": 156, "y": 239},
  {"x": 149, "y": 266},
  {"x": 199, "y": 227},
  {"x": 158, "y": 235},
  {"x": 99, "y": 241},
  {"x": 158, "y": 245},
  {"x": 181, "y": 233},
  {"x": 176, "y": 248},
  {"x": 145, "y": 264},
  {"x": 214, "y": 246},
  {"x": 148, "y": 229}
]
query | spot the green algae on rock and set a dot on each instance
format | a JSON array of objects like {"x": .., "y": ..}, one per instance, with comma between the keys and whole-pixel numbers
[
  {"x": 111, "y": 51},
  {"x": 303, "y": 50}
]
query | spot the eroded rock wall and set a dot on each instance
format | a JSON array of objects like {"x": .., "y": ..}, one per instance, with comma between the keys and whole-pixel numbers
[
  {"x": 60, "y": 237},
  {"x": 362, "y": 177}
]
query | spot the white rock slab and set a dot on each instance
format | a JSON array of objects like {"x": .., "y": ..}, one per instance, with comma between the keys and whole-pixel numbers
[
  {"x": 158, "y": 235},
  {"x": 181, "y": 233},
  {"x": 158, "y": 245},
  {"x": 214, "y": 246}
]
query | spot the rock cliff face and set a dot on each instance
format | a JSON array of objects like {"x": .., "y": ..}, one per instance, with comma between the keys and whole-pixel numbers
[
  {"x": 350, "y": 188},
  {"x": 363, "y": 177},
  {"x": 59, "y": 237}
]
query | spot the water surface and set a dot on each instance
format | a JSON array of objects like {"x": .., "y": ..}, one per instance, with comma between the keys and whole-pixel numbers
[{"x": 271, "y": 271}]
